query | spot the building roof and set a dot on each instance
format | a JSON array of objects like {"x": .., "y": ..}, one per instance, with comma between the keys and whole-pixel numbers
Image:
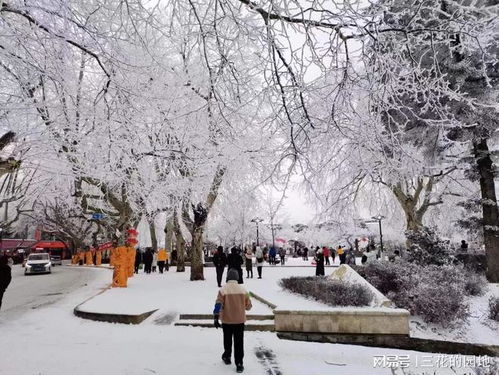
[{"x": 50, "y": 245}]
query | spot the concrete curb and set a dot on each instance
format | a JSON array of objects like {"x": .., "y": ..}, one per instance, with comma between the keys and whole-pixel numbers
[
  {"x": 210, "y": 316},
  {"x": 103, "y": 266},
  {"x": 110, "y": 318},
  {"x": 348, "y": 274},
  {"x": 247, "y": 326},
  {"x": 395, "y": 342},
  {"x": 113, "y": 318},
  {"x": 263, "y": 300}
]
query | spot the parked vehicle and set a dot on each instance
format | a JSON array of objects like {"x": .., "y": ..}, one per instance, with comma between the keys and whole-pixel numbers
[
  {"x": 56, "y": 260},
  {"x": 38, "y": 263}
]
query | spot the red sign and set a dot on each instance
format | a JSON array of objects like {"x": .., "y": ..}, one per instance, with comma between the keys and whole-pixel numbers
[{"x": 105, "y": 245}]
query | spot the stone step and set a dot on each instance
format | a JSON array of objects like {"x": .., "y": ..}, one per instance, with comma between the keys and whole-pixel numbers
[
  {"x": 248, "y": 327},
  {"x": 210, "y": 316}
]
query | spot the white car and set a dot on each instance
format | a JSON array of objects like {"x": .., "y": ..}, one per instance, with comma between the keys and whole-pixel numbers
[
  {"x": 38, "y": 263},
  {"x": 56, "y": 260}
]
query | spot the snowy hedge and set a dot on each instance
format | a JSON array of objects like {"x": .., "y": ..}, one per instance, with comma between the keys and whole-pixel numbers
[
  {"x": 331, "y": 292},
  {"x": 494, "y": 308},
  {"x": 436, "y": 293}
]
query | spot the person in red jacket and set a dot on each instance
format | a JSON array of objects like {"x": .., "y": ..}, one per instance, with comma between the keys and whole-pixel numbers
[
  {"x": 231, "y": 305},
  {"x": 325, "y": 251}
]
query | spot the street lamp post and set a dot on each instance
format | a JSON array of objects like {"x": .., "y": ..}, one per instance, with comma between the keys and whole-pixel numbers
[
  {"x": 378, "y": 218},
  {"x": 257, "y": 220}
]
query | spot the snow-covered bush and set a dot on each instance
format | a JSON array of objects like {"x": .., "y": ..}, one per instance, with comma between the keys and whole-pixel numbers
[
  {"x": 428, "y": 248},
  {"x": 475, "y": 284},
  {"x": 331, "y": 292},
  {"x": 390, "y": 277},
  {"x": 494, "y": 308},
  {"x": 440, "y": 295},
  {"x": 436, "y": 293}
]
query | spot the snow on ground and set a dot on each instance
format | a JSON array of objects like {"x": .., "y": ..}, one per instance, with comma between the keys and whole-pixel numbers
[
  {"x": 478, "y": 328},
  {"x": 174, "y": 292},
  {"x": 52, "y": 341}
]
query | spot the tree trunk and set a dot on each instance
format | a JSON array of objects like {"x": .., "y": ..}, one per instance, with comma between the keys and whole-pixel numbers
[
  {"x": 152, "y": 231},
  {"x": 180, "y": 244},
  {"x": 412, "y": 222},
  {"x": 413, "y": 204},
  {"x": 489, "y": 208},
  {"x": 197, "y": 266},
  {"x": 169, "y": 235}
]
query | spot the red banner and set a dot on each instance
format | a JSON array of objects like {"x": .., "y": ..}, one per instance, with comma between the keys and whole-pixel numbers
[{"x": 105, "y": 246}]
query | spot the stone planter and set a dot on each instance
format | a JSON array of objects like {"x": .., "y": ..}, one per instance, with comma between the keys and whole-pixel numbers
[{"x": 367, "y": 320}]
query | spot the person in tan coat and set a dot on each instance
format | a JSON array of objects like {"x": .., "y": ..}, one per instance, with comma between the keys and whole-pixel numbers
[{"x": 231, "y": 305}]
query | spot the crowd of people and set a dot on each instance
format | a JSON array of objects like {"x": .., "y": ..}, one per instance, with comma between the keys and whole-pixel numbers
[
  {"x": 236, "y": 259},
  {"x": 153, "y": 261}
]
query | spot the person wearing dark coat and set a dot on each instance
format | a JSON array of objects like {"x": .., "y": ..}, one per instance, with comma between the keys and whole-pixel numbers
[
  {"x": 235, "y": 260},
  {"x": 138, "y": 260},
  {"x": 5, "y": 276},
  {"x": 305, "y": 253},
  {"x": 282, "y": 256},
  {"x": 248, "y": 255},
  {"x": 319, "y": 266},
  {"x": 219, "y": 261},
  {"x": 272, "y": 255},
  {"x": 464, "y": 246},
  {"x": 147, "y": 258}
]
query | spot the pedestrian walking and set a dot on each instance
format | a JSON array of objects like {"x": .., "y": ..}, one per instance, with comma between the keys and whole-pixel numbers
[
  {"x": 230, "y": 307},
  {"x": 305, "y": 253},
  {"x": 167, "y": 261},
  {"x": 249, "y": 262},
  {"x": 138, "y": 259},
  {"x": 154, "y": 260},
  {"x": 272, "y": 255},
  {"x": 370, "y": 255},
  {"x": 235, "y": 261},
  {"x": 332, "y": 252},
  {"x": 259, "y": 260},
  {"x": 147, "y": 259},
  {"x": 319, "y": 263},
  {"x": 162, "y": 259},
  {"x": 5, "y": 276},
  {"x": 325, "y": 250},
  {"x": 350, "y": 256},
  {"x": 464, "y": 246},
  {"x": 282, "y": 256},
  {"x": 174, "y": 257},
  {"x": 219, "y": 261},
  {"x": 341, "y": 254}
]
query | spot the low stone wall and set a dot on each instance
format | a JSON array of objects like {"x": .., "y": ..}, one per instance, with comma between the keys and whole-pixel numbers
[
  {"x": 344, "y": 320},
  {"x": 401, "y": 342}
]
